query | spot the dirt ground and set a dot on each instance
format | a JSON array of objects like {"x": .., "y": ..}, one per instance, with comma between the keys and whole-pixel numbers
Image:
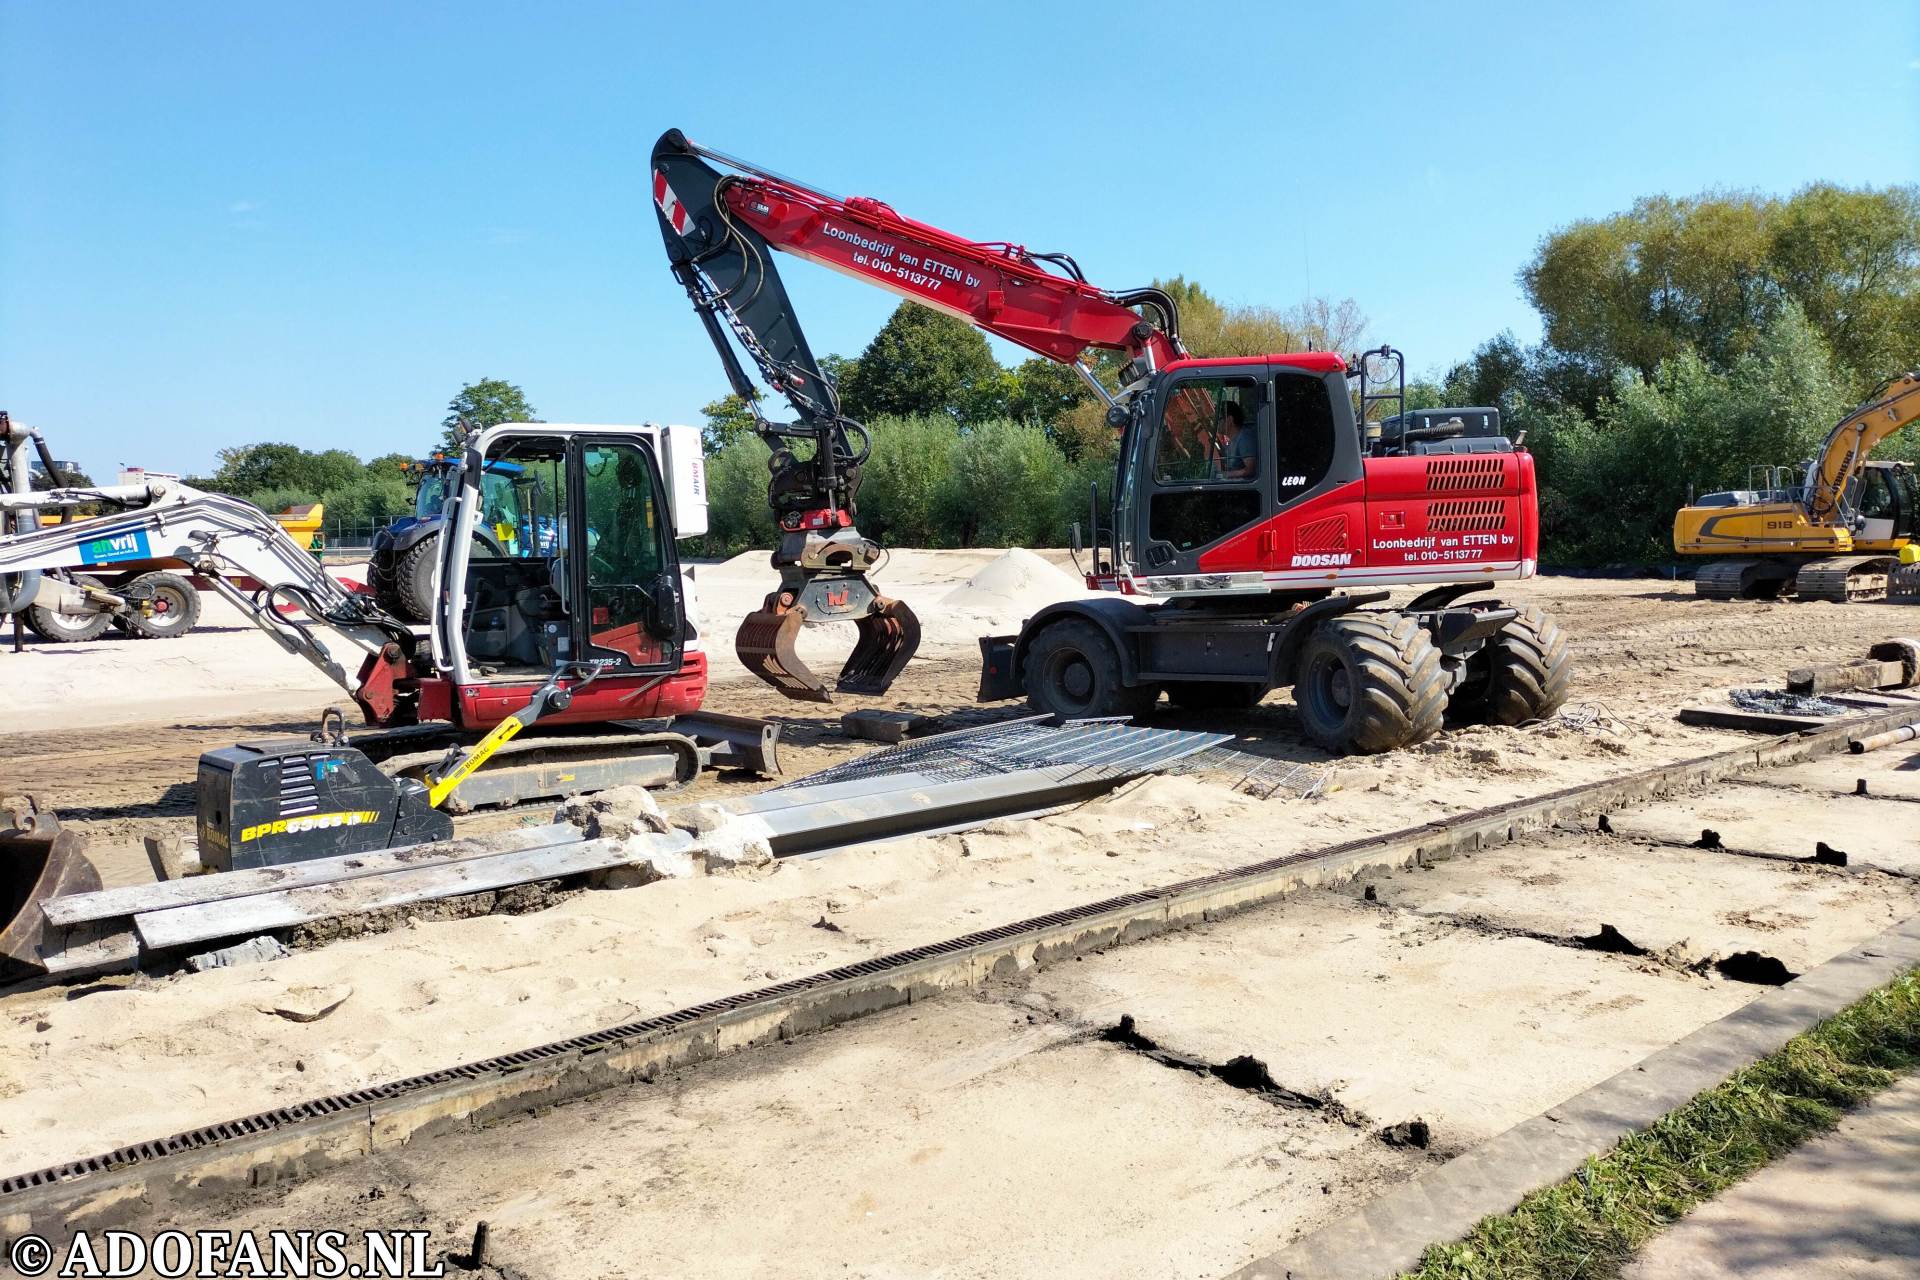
[{"x": 208, "y": 1046}]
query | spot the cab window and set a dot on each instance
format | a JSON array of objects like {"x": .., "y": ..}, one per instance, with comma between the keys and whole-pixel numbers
[
  {"x": 517, "y": 583},
  {"x": 1302, "y": 433},
  {"x": 1209, "y": 433},
  {"x": 1208, "y": 459},
  {"x": 627, "y": 551}
]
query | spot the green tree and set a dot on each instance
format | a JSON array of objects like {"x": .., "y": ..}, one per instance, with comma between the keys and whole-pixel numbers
[
  {"x": 1612, "y": 483},
  {"x": 1708, "y": 273},
  {"x": 1044, "y": 391},
  {"x": 728, "y": 419},
  {"x": 1003, "y": 487},
  {"x": 479, "y": 405},
  {"x": 1851, "y": 259},
  {"x": 924, "y": 361},
  {"x": 900, "y": 486},
  {"x": 248, "y": 469},
  {"x": 374, "y": 498},
  {"x": 738, "y": 517}
]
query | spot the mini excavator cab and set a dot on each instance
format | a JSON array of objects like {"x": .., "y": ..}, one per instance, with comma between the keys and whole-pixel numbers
[{"x": 574, "y": 564}]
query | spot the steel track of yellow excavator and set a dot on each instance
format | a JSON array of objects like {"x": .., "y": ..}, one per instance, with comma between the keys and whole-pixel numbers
[{"x": 39, "y": 860}]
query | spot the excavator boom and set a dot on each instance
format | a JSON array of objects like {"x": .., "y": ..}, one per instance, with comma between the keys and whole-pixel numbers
[
  {"x": 1892, "y": 407},
  {"x": 721, "y": 219}
]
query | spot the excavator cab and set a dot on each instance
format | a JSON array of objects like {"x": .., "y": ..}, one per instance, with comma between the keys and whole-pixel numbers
[
  {"x": 1887, "y": 503},
  {"x": 1216, "y": 453},
  {"x": 577, "y": 566}
]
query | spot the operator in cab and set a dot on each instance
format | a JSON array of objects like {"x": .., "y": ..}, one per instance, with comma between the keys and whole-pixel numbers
[{"x": 1239, "y": 459}]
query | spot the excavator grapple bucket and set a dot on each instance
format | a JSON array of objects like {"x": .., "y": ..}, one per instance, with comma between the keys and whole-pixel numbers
[
  {"x": 888, "y": 637},
  {"x": 39, "y": 860},
  {"x": 765, "y": 645}
]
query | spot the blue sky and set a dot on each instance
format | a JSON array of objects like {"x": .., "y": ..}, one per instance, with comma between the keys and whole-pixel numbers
[{"x": 222, "y": 223}]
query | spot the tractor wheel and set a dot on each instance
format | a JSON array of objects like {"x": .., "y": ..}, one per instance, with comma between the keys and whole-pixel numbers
[
  {"x": 1523, "y": 674},
  {"x": 1073, "y": 672},
  {"x": 173, "y": 606},
  {"x": 57, "y": 628},
  {"x": 411, "y": 588},
  {"x": 1370, "y": 682},
  {"x": 1213, "y": 695}
]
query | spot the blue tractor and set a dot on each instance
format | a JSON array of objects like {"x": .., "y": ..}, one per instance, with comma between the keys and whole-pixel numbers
[{"x": 515, "y": 512}]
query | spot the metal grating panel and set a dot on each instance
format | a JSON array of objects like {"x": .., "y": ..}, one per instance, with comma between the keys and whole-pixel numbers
[{"x": 1100, "y": 748}]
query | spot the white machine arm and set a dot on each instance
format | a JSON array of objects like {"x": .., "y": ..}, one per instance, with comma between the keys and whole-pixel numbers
[{"x": 222, "y": 538}]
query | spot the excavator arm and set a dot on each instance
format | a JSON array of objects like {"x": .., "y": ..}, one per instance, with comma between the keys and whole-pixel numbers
[
  {"x": 1894, "y": 406},
  {"x": 223, "y": 539},
  {"x": 722, "y": 219}
]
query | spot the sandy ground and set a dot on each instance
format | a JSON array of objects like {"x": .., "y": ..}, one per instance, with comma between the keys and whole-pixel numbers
[
  {"x": 206, "y": 1050},
  {"x": 1007, "y": 1133}
]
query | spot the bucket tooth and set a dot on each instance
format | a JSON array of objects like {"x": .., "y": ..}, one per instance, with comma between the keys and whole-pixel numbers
[
  {"x": 39, "y": 860},
  {"x": 889, "y": 635},
  {"x": 765, "y": 645}
]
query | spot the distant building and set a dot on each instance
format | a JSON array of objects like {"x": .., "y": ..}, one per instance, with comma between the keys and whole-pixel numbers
[{"x": 140, "y": 475}]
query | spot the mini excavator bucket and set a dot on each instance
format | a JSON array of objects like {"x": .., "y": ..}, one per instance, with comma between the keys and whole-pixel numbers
[
  {"x": 888, "y": 635},
  {"x": 39, "y": 860}
]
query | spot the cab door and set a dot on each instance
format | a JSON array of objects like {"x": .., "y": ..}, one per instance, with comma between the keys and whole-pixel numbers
[
  {"x": 627, "y": 573},
  {"x": 1248, "y": 474},
  {"x": 1207, "y": 469}
]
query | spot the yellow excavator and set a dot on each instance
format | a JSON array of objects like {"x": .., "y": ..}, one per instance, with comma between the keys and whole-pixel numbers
[{"x": 1832, "y": 530}]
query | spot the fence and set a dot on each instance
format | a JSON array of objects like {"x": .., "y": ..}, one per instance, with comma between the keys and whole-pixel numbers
[{"x": 345, "y": 537}]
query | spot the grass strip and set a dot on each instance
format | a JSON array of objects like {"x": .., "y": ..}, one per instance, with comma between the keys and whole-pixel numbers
[{"x": 1591, "y": 1225}]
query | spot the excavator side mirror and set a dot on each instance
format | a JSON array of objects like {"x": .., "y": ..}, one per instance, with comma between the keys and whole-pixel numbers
[{"x": 663, "y": 617}]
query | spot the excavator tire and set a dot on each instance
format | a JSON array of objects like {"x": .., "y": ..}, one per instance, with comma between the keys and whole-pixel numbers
[
  {"x": 67, "y": 628},
  {"x": 408, "y": 596},
  {"x": 1213, "y": 695},
  {"x": 1526, "y": 673},
  {"x": 1370, "y": 682},
  {"x": 1073, "y": 672},
  {"x": 175, "y": 606}
]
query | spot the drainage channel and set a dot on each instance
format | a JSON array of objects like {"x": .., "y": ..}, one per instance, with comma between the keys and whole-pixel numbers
[{"x": 289, "y": 1143}]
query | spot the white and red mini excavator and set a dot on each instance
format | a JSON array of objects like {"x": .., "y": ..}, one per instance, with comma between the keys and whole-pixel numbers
[{"x": 1255, "y": 524}]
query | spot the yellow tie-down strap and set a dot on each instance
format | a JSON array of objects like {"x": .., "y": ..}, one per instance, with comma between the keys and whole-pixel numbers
[{"x": 502, "y": 733}]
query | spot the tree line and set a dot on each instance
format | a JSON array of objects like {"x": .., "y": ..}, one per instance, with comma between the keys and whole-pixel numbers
[
  {"x": 1683, "y": 340},
  {"x": 358, "y": 494},
  {"x": 969, "y": 452}
]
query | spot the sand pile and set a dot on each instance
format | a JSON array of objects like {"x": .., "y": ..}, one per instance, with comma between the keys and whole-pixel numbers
[{"x": 1018, "y": 583}]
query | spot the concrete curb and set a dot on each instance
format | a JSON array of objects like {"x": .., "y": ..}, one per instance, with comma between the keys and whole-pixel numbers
[{"x": 1388, "y": 1235}]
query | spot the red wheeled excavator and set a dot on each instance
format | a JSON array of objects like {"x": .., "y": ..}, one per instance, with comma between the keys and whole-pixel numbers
[{"x": 1248, "y": 492}]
